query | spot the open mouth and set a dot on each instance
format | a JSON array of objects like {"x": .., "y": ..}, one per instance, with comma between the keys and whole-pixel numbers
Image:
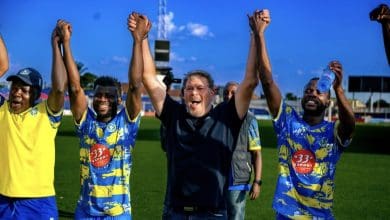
[
  {"x": 16, "y": 104},
  {"x": 103, "y": 107},
  {"x": 194, "y": 104},
  {"x": 311, "y": 102}
]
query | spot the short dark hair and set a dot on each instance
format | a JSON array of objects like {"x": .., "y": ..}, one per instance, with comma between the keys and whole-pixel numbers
[
  {"x": 228, "y": 84},
  {"x": 108, "y": 81},
  {"x": 316, "y": 79},
  {"x": 201, "y": 73}
]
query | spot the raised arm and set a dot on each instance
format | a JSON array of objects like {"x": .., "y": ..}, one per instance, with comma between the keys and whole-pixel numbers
[
  {"x": 78, "y": 101},
  {"x": 381, "y": 14},
  {"x": 346, "y": 115},
  {"x": 386, "y": 35},
  {"x": 246, "y": 88},
  {"x": 259, "y": 22},
  {"x": 139, "y": 26},
  {"x": 4, "y": 63},
  {"x": 154, "y": 87},
  {"x": 55, "y": 100}
]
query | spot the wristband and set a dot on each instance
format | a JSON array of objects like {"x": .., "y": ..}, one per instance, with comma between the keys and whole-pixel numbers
[{"x": 258, "y": 182}]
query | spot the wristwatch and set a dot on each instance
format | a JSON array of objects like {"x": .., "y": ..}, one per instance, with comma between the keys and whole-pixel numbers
[{"x": 258, "y": 182}]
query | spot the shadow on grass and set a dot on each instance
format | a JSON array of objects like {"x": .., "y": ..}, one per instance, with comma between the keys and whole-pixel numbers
[
  {"x": 67, "y": 133},
  {"x": 65, "y": 214},
  {"x": 148, "y": 135}
]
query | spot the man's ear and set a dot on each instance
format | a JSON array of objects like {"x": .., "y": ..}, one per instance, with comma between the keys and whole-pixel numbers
[{"x": 212, "y": 91}]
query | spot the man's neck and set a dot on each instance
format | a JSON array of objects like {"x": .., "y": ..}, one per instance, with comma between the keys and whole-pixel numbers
[{"x": 313, "y": 120}]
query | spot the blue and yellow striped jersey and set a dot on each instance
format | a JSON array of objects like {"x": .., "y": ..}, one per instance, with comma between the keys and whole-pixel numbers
[
  {"x": 105, "y": 163},
  {"x": 307, "y": 165}
]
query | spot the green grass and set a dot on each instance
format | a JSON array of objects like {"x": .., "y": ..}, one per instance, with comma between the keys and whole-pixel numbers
[{"x": 362, "y": 179}]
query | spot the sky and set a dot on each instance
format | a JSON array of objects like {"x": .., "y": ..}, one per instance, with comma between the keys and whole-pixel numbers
[{"x": 302, "y": 38}]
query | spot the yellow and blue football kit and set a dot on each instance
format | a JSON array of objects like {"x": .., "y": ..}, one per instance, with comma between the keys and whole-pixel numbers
[
  {"x": 27, "y": 151},
  {"x": 27, "y": 155},
  {"x": 307, "y": 165},
  {"x": 105, "y": 164}
]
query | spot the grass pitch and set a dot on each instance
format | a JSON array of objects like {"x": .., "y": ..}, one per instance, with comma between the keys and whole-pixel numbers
[{"x": 362, "y": 176}]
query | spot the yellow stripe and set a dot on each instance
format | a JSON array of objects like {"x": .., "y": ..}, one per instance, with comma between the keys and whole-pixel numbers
[
  {"x": 108, "y": 191},
  {"x": 308, "y": 201},
  {"x": 115, "y": 172}
]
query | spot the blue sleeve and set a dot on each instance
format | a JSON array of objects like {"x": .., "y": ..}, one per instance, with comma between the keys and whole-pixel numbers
[
  {"x": 55, "y": 118},
  {"x": 254, "y": 135},
  {"x": 281, "y": 117},
  {"x": 2, "y": 100}
]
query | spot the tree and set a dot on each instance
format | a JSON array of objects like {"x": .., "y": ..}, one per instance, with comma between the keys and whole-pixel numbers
[
  {"x": 378, "y": 103},
  {"x": 87, "y": 79},
  {"x": 290, "y": 96},
  {"x": 81, "y": 67},
  {"x": 381, "y": 103}
]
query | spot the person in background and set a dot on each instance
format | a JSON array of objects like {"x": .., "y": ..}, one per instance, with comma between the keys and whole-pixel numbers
[
  {"x": 309, "y": 147},
  {"x": 4, "y": 62},
  {"x": 246, "y": 157},
  {"x": 200, "y": 138},
  {"x": 107, "y": 134},
  {"x": 381, "y": 14},
  {"x": 27, "y": 152}
]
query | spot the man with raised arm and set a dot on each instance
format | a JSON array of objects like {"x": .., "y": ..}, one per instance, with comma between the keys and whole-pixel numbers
[
  {"x": 309, "y": 147},
  {"x": 200, "y": 138},
  {"x": 107, "y": 133},
  {"x": 381, "y": 14},
  {"x": 27, "y": 147},
  {"x": 4, "y": 62}
]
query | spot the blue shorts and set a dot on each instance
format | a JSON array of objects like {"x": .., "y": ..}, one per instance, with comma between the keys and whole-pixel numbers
[{"x": 28, "y": 208}]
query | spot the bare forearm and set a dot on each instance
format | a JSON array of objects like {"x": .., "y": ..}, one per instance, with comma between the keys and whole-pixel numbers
[
  {"x": 149, "y": 67},
  {"x": 264, "y": 65},
  {"x": 346, "y": 115},
  {"x": 58, "y": 81},
  {"x": 137, "y": 65},
  {"x": 247, "y": 86},
  {"x": 155, "y": 88},
  {"x": 271, "y": 90},
  {"x": 257, "y": 165},
  {"x": 78, "y": 102},
  {"x": 133, "y": 102},
  {"x": 4, "y": 62},
  {"x": 251, "y": 63},
  {"x": 71, "y": 67},
  {"x": 386, "y": 37},
  {"x": 58, "y": 74}
]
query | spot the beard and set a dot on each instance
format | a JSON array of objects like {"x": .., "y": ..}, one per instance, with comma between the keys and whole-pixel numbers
[
  {"x": 109, "y": 114},
  {"x": 317, "y": 111}
]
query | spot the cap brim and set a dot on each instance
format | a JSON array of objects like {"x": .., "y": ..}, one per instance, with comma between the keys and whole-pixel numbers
[{"x": 23, "y": 79}]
